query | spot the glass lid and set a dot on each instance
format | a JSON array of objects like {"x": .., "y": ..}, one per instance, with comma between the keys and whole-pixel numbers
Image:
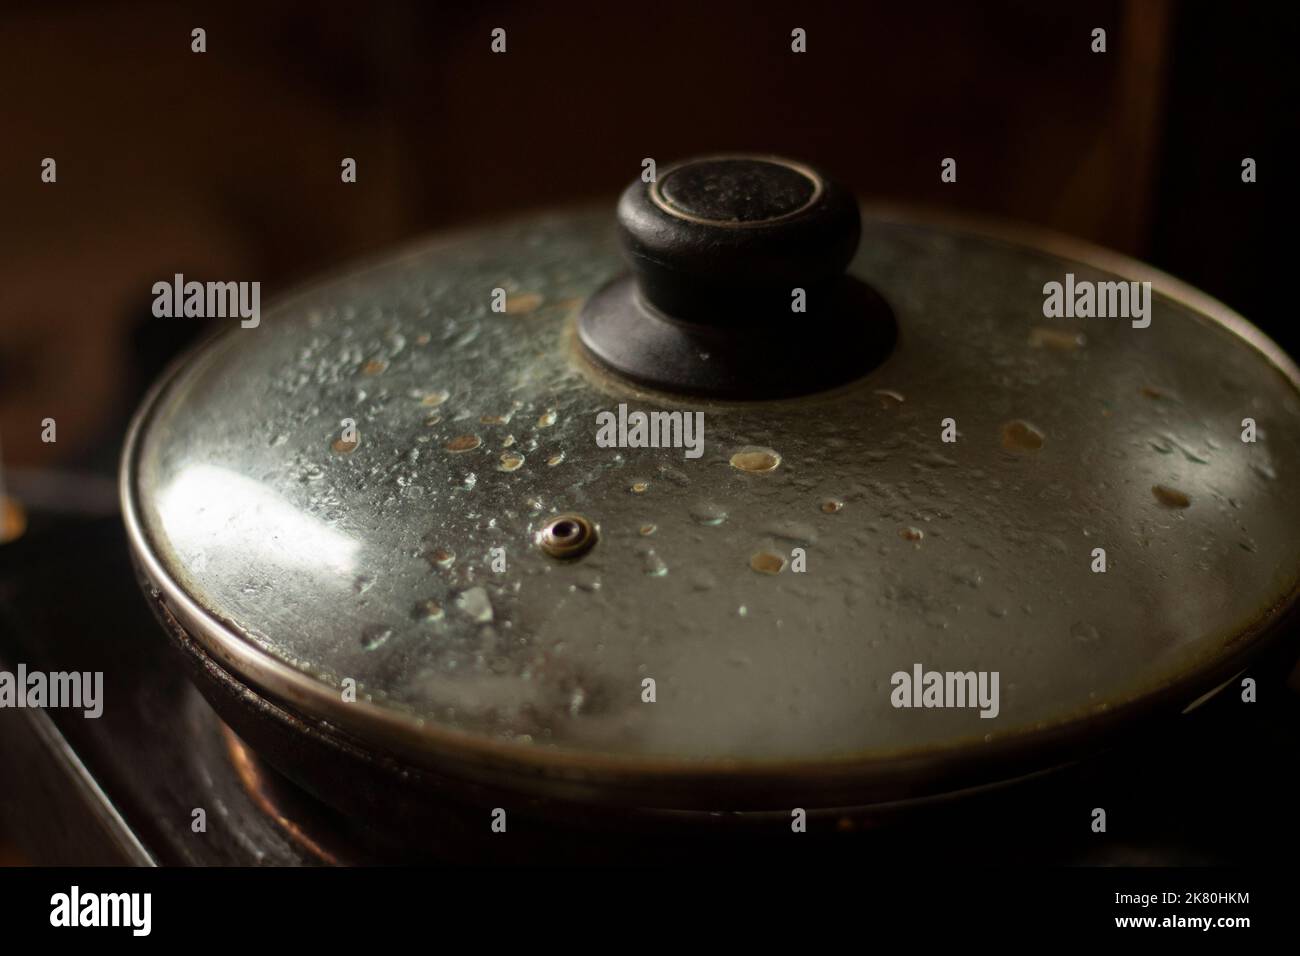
[{"x": 416, "y": 481}]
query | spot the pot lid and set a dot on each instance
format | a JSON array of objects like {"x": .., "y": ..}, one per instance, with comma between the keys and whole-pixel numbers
[{"x": 392, "y": 483}]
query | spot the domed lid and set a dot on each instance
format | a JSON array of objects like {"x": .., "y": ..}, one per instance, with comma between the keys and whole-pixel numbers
[{"x": 427, "y": 478}]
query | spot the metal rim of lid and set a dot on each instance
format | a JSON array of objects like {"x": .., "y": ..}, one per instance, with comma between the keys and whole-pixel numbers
[{"x": 694, "y": 783}]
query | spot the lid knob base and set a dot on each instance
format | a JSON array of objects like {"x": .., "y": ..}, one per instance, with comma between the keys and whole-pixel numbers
[{"x": 738, "y": 287}]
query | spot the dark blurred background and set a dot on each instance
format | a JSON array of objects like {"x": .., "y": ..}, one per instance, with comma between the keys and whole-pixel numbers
[{"x": 226, "y": 164}]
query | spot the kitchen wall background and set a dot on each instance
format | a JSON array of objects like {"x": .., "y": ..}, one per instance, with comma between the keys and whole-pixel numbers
[{"x": 226, "y": 164}]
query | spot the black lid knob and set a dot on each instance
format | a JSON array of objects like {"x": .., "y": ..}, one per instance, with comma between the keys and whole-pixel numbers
[
  {"x": 726, "y": 240},
  {"x": 739, "y": 287}
]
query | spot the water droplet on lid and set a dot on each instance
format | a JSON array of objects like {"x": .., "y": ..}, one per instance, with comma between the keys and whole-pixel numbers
[
  {"x": 1021, "y": 436},
  {"x": 1062, "y": 340},
  {"x": 441, "y": 557},
  {"x": 555, "y": 459},
  {"x": 1167, "y": 443},
  {"x": 708, "y": 513},
  {"x": 639, "y": 487},
  {"x": 766, "y": 562},
  {"x": 343, "y": 446},
  {"x": 435, "y": 397},
  {"x": 675, "y": 475},
  {"x": 832, "y": 506},
  {"x": 475, "y": 604},
  {"x": 648, "y": 529},
  {"x": 511, "y": 461},
  {"x": 429, "y": 610},
  {"x": 911, "y": 534},
  {"x": 463, "y": 443},
  {"x": 652, "y": 564},
  {"x": 374, "y": 367},
  {"x": 546, "y": 419},
  {"x": 1170, "y": 497},
  {"x": 889, "y": 398},
  {"x": 755, "y": 460},
  {"x": 522, "y": 303},
  {"x": 375, "y": 636}
]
